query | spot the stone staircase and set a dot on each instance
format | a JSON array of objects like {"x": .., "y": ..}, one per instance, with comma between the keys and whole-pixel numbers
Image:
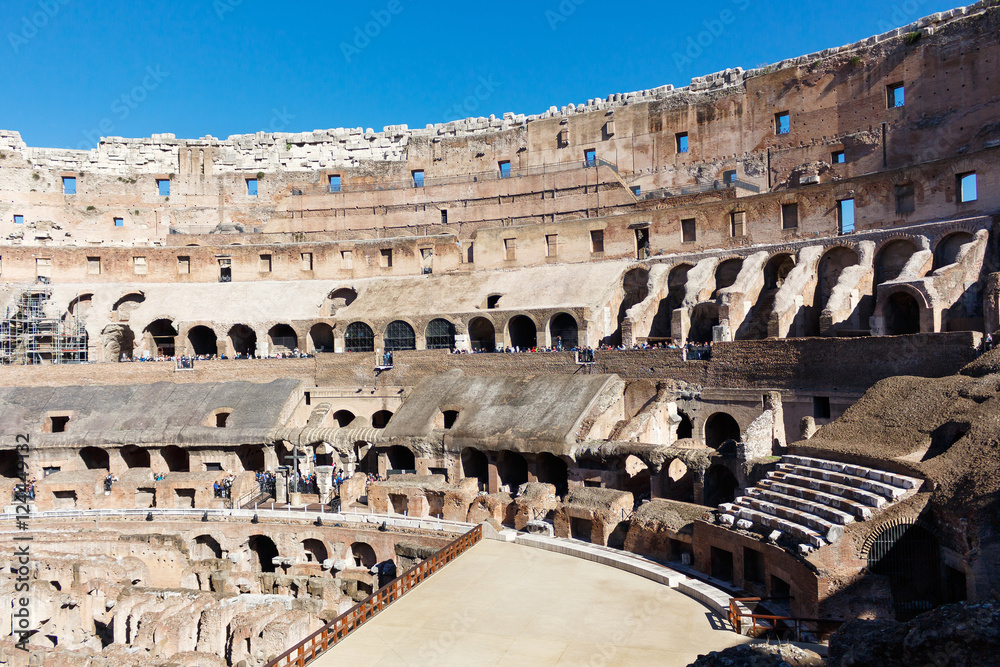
[{"x": 811, "y": 500}]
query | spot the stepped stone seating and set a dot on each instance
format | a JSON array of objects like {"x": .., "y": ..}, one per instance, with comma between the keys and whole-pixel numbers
[{"x": 811, "y": 500}]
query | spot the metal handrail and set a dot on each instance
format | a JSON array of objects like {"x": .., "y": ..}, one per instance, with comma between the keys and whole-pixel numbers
[
  {"x": 341, "y": 627},
  {"x": 736, "y": 616},
  {"x": 663, "y": 193}
]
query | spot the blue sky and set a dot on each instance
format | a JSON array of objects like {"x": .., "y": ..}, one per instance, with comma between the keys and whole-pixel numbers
[{"x": 75, "y": 70}]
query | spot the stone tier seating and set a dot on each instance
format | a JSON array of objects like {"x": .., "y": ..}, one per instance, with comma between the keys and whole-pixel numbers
[{"x": 811, "y": 500}]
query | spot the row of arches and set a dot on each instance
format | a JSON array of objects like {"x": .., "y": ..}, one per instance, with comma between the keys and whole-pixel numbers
[{"x": 521, "y": 330}]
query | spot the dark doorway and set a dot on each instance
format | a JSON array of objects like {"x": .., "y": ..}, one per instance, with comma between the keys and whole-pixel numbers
[
  {"x": 720, "y": 486},
  {"x": 202, "y": 341},
  {"x": 482, "y": 335},
  {"x": 564, "y": 331},
  {"x": 553, "y": 470},
  {"x": 475, "y": 464},
  {"x": 902, "y": 315},
  {"x": 94, "y": 458},
  {"x": 523, "y": 332},
  {"x": 719, "y": 428},
  {"x": 910, "y": 556},
  {"x": 135, "y": 457},
  {"x": 400, "y": 458},
  {"x": 512, "y": 468},
  {"x": 264, "y": 551},
  {"x": 177, "y": 459}
]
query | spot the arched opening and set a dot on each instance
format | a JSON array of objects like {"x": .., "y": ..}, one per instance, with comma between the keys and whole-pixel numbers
[
  {"x": 685, "y": 429},
  {"x": 264, "y": 551},
  {"x": 676, "y": 290},
  {"x": 678, "y": 484},
  {"x": 177, "y": 459},
  {"x": 636, "y": 478},
  {"x": 242, "y": 341},
  {"x": 321, "y": 337},
  {"x": 205, "y": 547},
  {"x": 381, "y": 419},
  {"x": 891, "y": 259},
  {"x": 910, "y": 557},
  {"x": 359, "y": 337},
  {"x": 902, "y": 314},
  {"x": 202, "y": 341},
  {"x": 315, "y": 551},
  {"x": 118, "y": 342},
  {"x": 635, "y": 288},
  {"x": 340, "y": 298},
  {"x": 363, "y": 555},
  {"x": 720, "y": 486},
  {"x": 160, "y": 338},
  {"x": 400, "y": 458},
  {"x": 135, "y": 457},
  {"x": 80, "y": 306},
  {"x": 512, "y": 469},
  {"x": 553, "y": 470},
  {"x": 719, "y": 428},
  {"x": 251, "y": 457},
  {"x": 523, "y": 333},
  {"x": 831, "y": 266},
  {"x": 482, "y": 335},
  {"x": 365, "y": 455},
  {"x": 704, "y": 318},
  {"x": 726, "y": 273},
  {"x": 125, "y": 306},
  {"x": 775, "y": 272},
  {"x": 946, "y": 251},
  {"x": 95, "y": 458},
  {"x": 343, "y": 418},
  {"x": 475, "y": 464},
  {"x": 399, "y": 336},
  {"x": 563, "y": 331},
  {"x": 283, "y": 339},
  {"x": 440, "y": 335}
]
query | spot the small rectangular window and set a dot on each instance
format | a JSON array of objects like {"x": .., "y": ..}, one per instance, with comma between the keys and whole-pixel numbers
[
  {"x": 967, "y": 187},
  {"x": 69, "y": 185},
  {"x": 385, "y": 258},
  {"x": 335, "y": 183},
  {"x": 252, "y": 187},
  {"x": 470, "y": 255},
  {"x": 43, "y": 267},
  {"x": 821, "y": 407},
  {"x": 346, "y": 259},
  {"x": 753, "y": 566},
  {"x": 509, "y": 249},
  {"x": 163, "y": 186},
  {"x": 682, "y": 142},
  {"x": 444, "y": 216},
  {"x": 505, "y": 169},
  {"x": 139, "y": 266},
  {"x": 895, "y": 95},
  {"x": 307, "y": 261},
  {"x": 418, "y": 178},
  {"x": 905, "y": 201},
  {"x": 789, "y": 216},
  {"x": 551, "y": 245},
  {"x": 265, "y": 263},
  {"x": 183, "y": 264},
  {"x": 94, "y": 266},
  {"x": 597, "y": 240},
  {"x": 688, "y": 231},
  {"x": 838, "y": 157},
  {"x": 636, "y": 191},
  {"x": 729, "y": 176},
  {"x": 119, "y": 222},
  {"x": 590, "y": 157},
  {"x": 782, "y": 123},
  {"x": 58, "y": 424},
  {"x": 738, "y": 224},
  {"x": 18, "y": 219},
  {"x": 845, "y": 215}
]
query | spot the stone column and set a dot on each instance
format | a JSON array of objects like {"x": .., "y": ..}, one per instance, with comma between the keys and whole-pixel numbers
[
  {"x": 991, "y": 304},
  {"x": 772, "y": 402},
  {"x": 324, "y": 482}
]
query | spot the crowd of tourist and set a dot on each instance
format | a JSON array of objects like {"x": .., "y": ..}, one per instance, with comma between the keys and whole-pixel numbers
[
  {"x": 265, "y": 480},
  {"x": 693, "y": 351},
  {"x": 186, "y": 359},
  {"x": 25, "y": 491},
  {"x": 224, "y": 488}
]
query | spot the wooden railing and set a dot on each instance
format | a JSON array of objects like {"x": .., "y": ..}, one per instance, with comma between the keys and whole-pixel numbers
[
  {"x": 789, "y": 627},
  {"x": 339, "y": 628}
]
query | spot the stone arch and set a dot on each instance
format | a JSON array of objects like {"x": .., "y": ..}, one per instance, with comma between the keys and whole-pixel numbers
[
  {"x": 381, "y": 419},
  {"x": 475, "y": 464},
  {"x": 160, "y": 336},
  {"x": 117, "y": 340},
  {"x": 359, "y": 337},
  {"x": 339, "y": 298},
  {"x": 685, "y": 428},
  {"x": 902, "y": 314},
  {"x": 704, "y": 318},
  {"x": 400, "y": 458},
  {"x": 776, "y": 270},
  {"x": 80, "y": 306},
  {"x": 482, "y": 334},
  {"x": 265, "y": 551},
  {"x": 282, "y": 339},
  {"x": 321, "y": 338},
  {"x": 831, "y": 265},
  {"x": 563, "y": 327},
  {"x": 726, "y": 273},
  {"x": 177, "y": 459},
  {"x": 636, "y": 477},
  {"x": 892, "y": 257},
  {"x": 635, "y": 288},
  {"x": 202, "y": 341},
  {"x": 241, "y": 340},
  {"x": 678, "y": 482},
  {"x": 95, "y": 458},
  {"x": 343, "y": 418},
  {"x": 399, "y": 335},
  {"x": 315, "y": 551},
  {"x": 719, "y": 428},
  {"x": 363, "y": 555},
  {"x": 126, "y": 305},
  {"x": 676, "y": 290},
  {"x": 522, "y": 332},
  {"x": 553, "y": 470},
  {"x": 205, "y": 547},
  {"x": 946, "y": 250},
  {"x": 439, "y": 335},
  {"x": 135, "y": 457},
  {"x": 909, "y": 554},
  {"x": 720, "y": 485},
  {"x": 512, "y": 469}
]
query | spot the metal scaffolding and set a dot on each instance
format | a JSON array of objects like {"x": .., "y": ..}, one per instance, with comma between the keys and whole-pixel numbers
[{"x": 29, "y": 336}]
